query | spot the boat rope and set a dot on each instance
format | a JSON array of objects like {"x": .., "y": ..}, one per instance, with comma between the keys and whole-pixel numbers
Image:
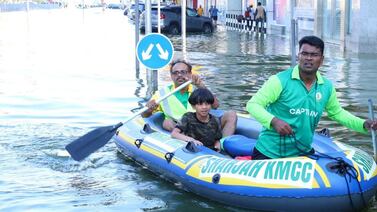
[
  {"x": 345, "y": 169},
  {"x": 342, "y": 168},
  {"x": 282, "y": 145}
]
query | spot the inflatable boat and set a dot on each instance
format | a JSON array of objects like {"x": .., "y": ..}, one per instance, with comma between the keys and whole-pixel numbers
[{"x": 338, "y": 177}]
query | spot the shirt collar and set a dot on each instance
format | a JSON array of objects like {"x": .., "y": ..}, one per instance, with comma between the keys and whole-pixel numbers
[
  {"x": 190, "y": 88},
  {"x": 296, "y": 75}
]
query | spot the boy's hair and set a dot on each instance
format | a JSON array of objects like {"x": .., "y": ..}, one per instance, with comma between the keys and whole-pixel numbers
[
  {"x": 313, "y": 41},
  {"x": 201, "y": 95}
]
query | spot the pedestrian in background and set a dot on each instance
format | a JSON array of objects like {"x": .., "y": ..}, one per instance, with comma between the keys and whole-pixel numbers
[
  {"x": 200, "y": 10},
  {"x": 249, "y": 16},
  {"x": 213, "y": 11},
  {"x": 260, "y": 17}
]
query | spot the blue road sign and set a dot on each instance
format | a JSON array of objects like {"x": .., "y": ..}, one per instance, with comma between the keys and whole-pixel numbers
[{"x": 154, "y": 51}]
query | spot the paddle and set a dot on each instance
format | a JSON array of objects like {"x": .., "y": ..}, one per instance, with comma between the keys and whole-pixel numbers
[
  {"x": 371, "y": 117},
  {"x": 95, "y": 139}
]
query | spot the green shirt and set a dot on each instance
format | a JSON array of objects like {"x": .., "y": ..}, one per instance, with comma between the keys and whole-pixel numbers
[
  {"x": 182, "y": 97},
  {"x": 285, "y": 96}
]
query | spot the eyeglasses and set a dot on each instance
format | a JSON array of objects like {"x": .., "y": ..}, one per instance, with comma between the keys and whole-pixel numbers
[
  {"x": 179, "y": 72},
  {"x": 310, "y": 54}
]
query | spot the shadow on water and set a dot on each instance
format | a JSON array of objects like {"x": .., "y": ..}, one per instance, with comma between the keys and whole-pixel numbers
[{"x": 47, "y": 147}]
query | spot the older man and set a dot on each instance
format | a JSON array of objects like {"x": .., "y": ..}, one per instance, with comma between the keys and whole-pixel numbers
[
  {"x": 176, "y": 105},
  {"x": 290, "y": 104}
]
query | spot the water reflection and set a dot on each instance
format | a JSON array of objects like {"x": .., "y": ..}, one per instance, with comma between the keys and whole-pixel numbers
[{"x": 138, "y": 90}]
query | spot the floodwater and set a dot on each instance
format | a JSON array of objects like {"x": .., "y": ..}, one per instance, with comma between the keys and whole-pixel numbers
[{"x": 65, "y": 72}]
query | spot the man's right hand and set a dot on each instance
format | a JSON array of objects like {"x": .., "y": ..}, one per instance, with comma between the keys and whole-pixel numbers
[
  {"x": 151, "y": 105},
  {"x": 281, "y": 126},
  {"x": 370, "y": 125}
]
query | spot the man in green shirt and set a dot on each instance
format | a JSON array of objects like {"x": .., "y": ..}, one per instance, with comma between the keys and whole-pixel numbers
[
  {"x": 176, "y": 105},
  {"x": 289, "y": 106}
]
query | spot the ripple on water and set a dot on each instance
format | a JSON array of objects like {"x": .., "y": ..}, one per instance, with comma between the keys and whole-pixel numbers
[{"x": 41, "y": 145}]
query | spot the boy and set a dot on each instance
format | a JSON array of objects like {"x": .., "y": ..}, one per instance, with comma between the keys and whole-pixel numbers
[{"x": 200, "y": 127}]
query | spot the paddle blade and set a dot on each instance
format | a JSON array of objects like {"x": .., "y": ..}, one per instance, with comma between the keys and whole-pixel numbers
[{"x": 90, "y": 142}]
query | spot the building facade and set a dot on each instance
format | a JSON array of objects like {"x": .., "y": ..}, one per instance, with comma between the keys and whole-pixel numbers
[{"x": 349, "y": 23}]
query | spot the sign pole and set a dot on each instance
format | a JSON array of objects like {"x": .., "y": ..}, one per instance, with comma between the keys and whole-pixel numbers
[
  {"x": 158, "y": 17},
  {"x": 184, "y": 52},
  {"x": 152, "y": 76},
  {"x": 148, "y": 17},
  {"x": 137, "y": 32}
]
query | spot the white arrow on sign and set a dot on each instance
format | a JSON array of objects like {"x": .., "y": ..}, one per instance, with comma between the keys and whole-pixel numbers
[
  {"x": 146, "y": 55},
  {"x": 164, "y": 54}
]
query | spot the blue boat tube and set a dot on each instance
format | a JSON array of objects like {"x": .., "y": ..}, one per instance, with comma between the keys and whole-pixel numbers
[{"x": 338, "y": 177}]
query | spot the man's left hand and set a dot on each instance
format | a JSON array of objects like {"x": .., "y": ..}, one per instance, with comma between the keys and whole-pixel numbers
[
  {"x": 369, "y": 124},
  {"x": 216, "y": 103},
  {"x": 197, "y": 81}
]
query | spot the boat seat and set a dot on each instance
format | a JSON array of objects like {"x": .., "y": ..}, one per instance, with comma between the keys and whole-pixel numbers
[
  {"x": 155, "y": 122},
  {"x": 238, "y": 145}
]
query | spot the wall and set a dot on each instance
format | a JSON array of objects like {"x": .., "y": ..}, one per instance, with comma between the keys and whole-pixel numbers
[
  {"x": 234, "y": 6},
  {"x": 363, "y": 37}
]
